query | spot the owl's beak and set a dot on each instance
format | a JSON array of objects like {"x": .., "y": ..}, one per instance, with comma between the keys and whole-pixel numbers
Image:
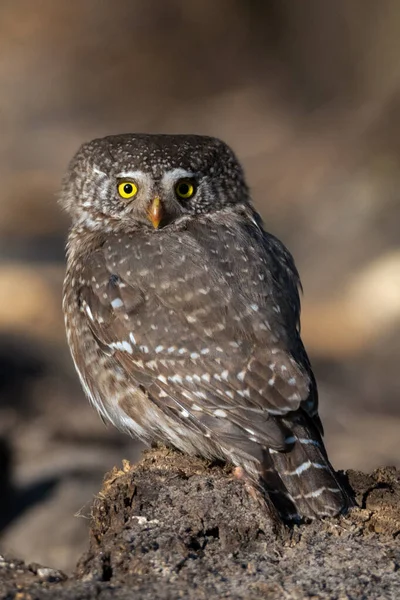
[{"x": 155, "y": 212}]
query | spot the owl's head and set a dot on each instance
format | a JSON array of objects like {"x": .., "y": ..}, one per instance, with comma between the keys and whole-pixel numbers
[{"x": 150, "y": 180}]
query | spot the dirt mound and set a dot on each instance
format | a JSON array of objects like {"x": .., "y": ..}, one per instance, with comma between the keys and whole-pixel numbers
[{"x": 174, "y": 527}]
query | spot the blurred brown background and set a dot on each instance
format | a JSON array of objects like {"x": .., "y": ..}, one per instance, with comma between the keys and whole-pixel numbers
[{"x": 308, "y": 94}]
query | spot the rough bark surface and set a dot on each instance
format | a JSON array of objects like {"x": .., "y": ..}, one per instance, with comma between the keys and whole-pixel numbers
[{"x": 174, "y": 527}]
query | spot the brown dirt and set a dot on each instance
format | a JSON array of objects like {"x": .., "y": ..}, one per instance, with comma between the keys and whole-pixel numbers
[{"x": 174, "y": 527}]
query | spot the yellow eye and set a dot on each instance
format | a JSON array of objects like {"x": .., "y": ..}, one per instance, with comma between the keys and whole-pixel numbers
[
  {"x": 184, "y": 189},
  {"x": 127, "y": 189}
]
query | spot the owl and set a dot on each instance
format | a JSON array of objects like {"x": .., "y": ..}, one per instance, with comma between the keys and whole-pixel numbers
[{"x": 182, "y": 315}]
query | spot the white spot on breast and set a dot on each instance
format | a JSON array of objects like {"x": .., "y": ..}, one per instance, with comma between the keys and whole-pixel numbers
[
  {"x": 205, "y": 350},
  {"x": 225, "y": 374},
  {"x": 196, "y": 407},
  {"x": 185, "y": 413},
  {"x": 132, "y": 338},
  {"x": 292, "y": 381},
  {"x": 220, "y": 413},
  {"x": 191, "y": 319},
  {"x": 229, "y": 394},
  {"x": 171, "y": 349},
  {"x": 151, "y": 364},
  {"x": 271, "y": 381},
  {"x": 241, "y": 375},
  {"x": 144, "y": 349},
  {"x": 162, "y": 378},
  {"x": 159, "y": 349},
  {"x": 176, "y": 378},
  {"x": 195, "y": 355},
  {"x": 206, "y": 377},
  {"x": 182, "y": 350},
  {"x": 254, "y": 307}
]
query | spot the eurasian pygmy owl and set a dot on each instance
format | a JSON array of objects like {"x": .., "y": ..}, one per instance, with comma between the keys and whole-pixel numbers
[{"x": 182, "y": 314}]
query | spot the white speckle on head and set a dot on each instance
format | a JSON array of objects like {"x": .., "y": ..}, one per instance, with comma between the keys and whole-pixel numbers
[
  {"x": 204, "y": 291},
  {"x": 191, "y": 319},
  {"x": 276, "y": 309},
  {"x": 254, "y": 307},
  {"x": 220, "y": 413},
  {"x": 292, "y": 381}
]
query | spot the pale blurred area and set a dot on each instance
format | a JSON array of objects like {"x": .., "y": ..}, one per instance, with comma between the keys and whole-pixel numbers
[{"x": 307, "y": 92}]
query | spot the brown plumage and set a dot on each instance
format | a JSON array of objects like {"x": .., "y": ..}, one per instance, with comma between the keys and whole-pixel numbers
[{"x": 182, "y": 314}]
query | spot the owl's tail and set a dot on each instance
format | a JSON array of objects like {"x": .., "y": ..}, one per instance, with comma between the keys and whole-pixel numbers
[{"x": 301, "y": 482}]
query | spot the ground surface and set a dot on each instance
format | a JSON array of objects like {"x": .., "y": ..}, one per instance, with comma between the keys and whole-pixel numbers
[{"x": 172, "y": 527}]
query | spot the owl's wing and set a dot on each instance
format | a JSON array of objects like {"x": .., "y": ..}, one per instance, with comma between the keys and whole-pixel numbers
[{"x": 205, "y": 320}]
